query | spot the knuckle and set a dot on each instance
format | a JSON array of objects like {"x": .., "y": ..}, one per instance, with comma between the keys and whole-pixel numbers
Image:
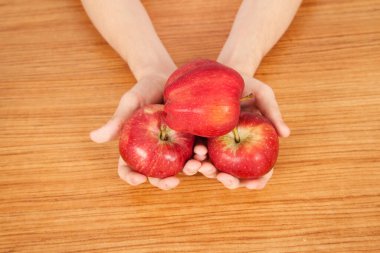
[
  {"x": 266, "y": 90},
  {"x": 269, "y": 90},
  {"x": 132, "y": 98},
  {"x": 233, "y": 186},
  {"x": 139, "y": 99}
]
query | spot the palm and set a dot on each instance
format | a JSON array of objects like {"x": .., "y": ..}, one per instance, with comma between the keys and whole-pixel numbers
[{"x": 146, "y": 91}]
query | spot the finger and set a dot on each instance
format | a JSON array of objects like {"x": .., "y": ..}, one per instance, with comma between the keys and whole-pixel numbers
[
  {"x": 164, "y": 184},
  {"x": 128, "y": 104},
  {"x": 258, "y": 184},
  {"x": 228, "y": 181},
  {"x": 200, "y": 150},
  {"x": 128, "y": 175},
  {"x": 191, "y": 167},
  {"x": 208, "y": 170},
  {"x": 154, "y": 181},
  {"x": 107, "y": 132},
  {"x": 266, "y": 102},
  {"x": 168, "y": 183},
  {"x": 200, "y": 157},
  {"x": 269, "y": 107}
]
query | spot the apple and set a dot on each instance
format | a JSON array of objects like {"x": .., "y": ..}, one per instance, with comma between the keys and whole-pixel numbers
[
  {"x": 249, "y": 151},
  {"x": 150, "y": 147},
  {"x": 202, "y": 98}
]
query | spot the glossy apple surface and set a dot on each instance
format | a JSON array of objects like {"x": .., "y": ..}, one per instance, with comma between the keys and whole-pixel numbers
[
  {"x": 203, "y": 98},
  {"x": 150, "y": 147},
  {"x": 253, "y": 155}
]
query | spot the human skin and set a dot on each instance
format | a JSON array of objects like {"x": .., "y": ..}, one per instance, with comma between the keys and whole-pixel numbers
[
  {"x": 257, "y": 27},
  {"x": 126, "y": 26}
]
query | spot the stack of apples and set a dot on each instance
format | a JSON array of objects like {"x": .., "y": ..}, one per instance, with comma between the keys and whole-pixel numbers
[{"x": 202, "y": 98}]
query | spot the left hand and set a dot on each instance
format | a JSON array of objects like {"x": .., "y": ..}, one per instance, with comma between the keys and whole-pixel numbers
[
  {"x": 146, "y": 91},
  {"x": 265, "y": 103}
]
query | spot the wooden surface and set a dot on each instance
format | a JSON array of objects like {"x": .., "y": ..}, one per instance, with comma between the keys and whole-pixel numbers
[{"x": 59, "y": 192}]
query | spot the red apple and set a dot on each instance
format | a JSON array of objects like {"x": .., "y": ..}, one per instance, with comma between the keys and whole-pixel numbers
[
  {"x": 150, "y": 147},
  {"x": 248, "y": 152},
  {"x": 202, "y": 98}
]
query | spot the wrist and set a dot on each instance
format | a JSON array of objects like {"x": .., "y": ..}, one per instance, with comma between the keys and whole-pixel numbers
[
  {"x": 151, "y": 84},
  {"x": 243, "y": 58},
  {"x": 154, "y": 64},
  {"x": 158, "y": 69}
]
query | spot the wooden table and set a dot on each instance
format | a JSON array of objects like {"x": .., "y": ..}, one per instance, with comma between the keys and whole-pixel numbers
[{"x": 59, "y": 192}]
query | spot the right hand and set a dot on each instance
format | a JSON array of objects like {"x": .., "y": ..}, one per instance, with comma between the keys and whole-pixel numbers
[
  {"x": 264, "y": 102},
  {"x": 147, "y": 91}
]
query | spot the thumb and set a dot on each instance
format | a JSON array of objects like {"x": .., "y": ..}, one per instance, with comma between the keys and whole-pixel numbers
[
  {"x": 129, "y": 102},
  {"x": 265, "y": 101}
]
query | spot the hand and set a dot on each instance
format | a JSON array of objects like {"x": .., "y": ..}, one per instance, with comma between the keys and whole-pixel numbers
[
  {"x": 263, "y": 102},
  {"x": 148, "y": 90}
]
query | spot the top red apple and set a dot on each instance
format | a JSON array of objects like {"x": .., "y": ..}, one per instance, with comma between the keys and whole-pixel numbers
[{"x": 203, "y": 98}]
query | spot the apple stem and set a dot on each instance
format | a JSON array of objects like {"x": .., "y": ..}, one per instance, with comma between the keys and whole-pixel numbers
[
  {"x": 163, "y": 133},
  {"x": 248, "y": 97},
  {"x": 236, "y": 135}
]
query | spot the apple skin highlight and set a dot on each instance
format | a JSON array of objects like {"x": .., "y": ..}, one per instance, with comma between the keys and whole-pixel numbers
[{"x": 150, "y": 147}]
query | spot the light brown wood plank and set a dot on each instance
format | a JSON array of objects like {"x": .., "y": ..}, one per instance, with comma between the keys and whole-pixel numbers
[{"x": 60, "y": 193}]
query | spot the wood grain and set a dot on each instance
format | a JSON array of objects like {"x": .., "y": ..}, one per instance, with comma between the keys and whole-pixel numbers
[{"x": 59, "y": 192}]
